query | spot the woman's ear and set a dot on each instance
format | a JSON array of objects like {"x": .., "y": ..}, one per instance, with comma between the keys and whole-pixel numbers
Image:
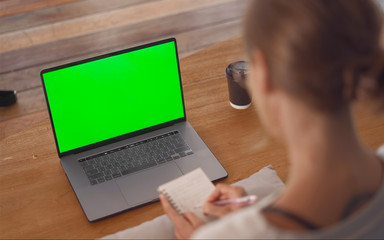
[{"x": 262, "y": 72}]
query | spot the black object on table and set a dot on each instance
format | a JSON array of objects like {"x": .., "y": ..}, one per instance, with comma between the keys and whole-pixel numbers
[{"x": 7, "y": 98}]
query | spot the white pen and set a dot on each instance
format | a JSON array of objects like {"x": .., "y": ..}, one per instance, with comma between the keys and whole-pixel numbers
[{"x": 243, "y": 201}]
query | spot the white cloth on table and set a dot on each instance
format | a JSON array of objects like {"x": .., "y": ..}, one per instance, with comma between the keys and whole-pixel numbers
[{"x": 261, "y": 183}]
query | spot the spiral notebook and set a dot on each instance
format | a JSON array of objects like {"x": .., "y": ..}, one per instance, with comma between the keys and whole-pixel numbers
[{"x": 189, "y": 191}]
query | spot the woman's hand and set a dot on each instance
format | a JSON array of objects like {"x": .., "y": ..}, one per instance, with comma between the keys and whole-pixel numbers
[
  {"x": 223, "y": 192},
  {"x": 185, "y": 225}
]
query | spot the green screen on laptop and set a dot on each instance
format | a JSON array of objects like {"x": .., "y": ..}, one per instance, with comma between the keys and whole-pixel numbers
[{"x": 113, "y": 96}]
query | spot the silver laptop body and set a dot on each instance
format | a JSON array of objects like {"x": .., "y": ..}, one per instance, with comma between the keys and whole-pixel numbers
[{"x": 104, "y": 174}]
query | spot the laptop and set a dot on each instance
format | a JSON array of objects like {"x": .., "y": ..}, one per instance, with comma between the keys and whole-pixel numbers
[{"x": 120, "y": 128}]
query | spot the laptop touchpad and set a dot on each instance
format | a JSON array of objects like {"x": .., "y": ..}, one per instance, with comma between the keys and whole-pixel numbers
[{"x": 141, "y": 187}]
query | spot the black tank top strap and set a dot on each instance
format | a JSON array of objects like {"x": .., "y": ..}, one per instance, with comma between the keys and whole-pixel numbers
[
  {"x": 352, "y": 205},
  {"x": 355, "y": 202},
  {"x": 305, "y": 223}
]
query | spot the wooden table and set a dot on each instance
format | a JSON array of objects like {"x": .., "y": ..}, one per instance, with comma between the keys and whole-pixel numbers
[{"x": 37, "y": 201}]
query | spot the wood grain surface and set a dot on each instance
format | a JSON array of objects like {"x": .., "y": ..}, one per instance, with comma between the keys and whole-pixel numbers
[
  {"x": 10, "y": 7},
  {"x": 36, "y": 198},
  {"x": 36, "y": 34}
]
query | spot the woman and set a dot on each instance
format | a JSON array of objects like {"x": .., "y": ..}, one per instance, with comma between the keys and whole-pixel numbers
[{"x": 309, "y": 61}]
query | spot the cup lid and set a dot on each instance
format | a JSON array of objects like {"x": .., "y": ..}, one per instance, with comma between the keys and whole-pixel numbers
[{"x": 238, "y": 72}]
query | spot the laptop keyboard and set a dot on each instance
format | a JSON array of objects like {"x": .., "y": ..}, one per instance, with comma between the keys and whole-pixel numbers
[{"x": 134, "y": 157}]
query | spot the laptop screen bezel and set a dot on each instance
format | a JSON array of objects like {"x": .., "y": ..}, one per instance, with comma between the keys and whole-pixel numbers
[{"x": 124, "y": 136}]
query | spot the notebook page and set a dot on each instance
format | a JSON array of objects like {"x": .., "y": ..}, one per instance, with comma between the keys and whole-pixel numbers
[{"x": 189, "y": 191}]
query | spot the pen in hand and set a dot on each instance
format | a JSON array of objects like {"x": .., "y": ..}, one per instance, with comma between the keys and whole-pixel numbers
[{"x": 242, "y": 201}]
